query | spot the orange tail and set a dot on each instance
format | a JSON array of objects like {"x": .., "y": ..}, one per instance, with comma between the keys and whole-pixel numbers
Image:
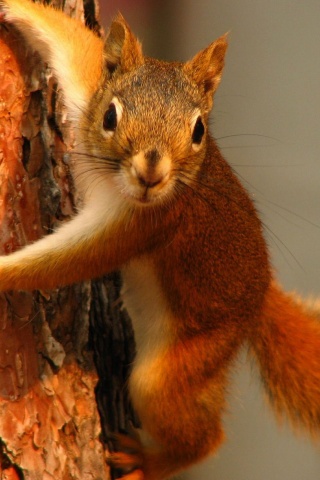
[{"x": 286, "y": 343}]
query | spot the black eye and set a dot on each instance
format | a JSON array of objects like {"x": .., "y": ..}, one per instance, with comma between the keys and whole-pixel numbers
[
  {"x": 110, "y": 118},
  {"x": 198, "y": 131}
]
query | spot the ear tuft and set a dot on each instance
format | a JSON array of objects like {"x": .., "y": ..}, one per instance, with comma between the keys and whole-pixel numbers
[
  {"x": 122, "y": 49},
  {"x": 207, "y": 66}
]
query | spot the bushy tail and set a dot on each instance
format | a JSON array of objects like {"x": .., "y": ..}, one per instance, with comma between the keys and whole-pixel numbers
[{"x": 286, "y": 343}]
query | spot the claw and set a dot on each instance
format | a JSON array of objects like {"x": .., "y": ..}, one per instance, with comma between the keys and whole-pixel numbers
[
  {"x": 124, "y": 460},
  {"x": 129, "y": 457},
  {"x": 134, "y": 475},
  {"x": 126, "y": 442}
]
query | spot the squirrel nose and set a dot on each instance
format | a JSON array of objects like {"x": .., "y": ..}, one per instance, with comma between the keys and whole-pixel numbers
[
  {"x": 150, "y": 169},
  {"x": 149, "y": 180}
]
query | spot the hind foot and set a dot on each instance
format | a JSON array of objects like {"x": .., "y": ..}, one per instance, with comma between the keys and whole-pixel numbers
[{"x": 128, "y": 458}]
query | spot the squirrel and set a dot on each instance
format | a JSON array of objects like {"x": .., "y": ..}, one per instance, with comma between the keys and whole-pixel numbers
[{"x": 161, "y": 204}]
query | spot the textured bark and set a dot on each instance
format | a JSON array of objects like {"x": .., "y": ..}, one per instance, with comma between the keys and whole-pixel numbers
[{"x": 51, "y": 342}]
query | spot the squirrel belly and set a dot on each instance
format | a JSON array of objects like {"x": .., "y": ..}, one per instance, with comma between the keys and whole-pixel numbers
[{"x": 147, "y": 307}]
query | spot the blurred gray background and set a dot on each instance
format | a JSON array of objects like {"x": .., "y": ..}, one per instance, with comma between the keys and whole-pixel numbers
[{"x": 266, "y": 120}]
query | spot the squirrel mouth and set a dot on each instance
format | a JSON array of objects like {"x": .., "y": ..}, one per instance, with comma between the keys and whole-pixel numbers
[{"x": 146, "y": 197}]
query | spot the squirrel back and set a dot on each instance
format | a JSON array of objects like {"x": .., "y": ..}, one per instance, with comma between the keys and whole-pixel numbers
[{"x": 162, "y": 204}]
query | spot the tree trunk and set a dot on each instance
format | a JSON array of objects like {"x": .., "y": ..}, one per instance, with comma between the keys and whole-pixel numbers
[{"x": 56, "y": 411}]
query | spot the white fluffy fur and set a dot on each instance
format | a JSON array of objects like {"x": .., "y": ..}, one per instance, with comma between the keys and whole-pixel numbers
[
  {"x": 146, "y": 306},
  {"x": 102, "y": 209}
]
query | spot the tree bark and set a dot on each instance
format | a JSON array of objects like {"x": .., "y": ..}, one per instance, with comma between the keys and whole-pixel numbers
[{"x": 56, "y": 411}]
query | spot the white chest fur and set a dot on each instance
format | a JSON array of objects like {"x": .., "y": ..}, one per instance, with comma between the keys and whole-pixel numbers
[{"x": 147, "y": 308}]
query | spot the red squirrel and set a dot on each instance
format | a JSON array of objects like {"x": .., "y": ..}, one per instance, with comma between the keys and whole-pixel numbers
[{"x": 161, "y": 204}]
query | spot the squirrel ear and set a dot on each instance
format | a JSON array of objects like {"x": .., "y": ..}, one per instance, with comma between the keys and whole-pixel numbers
[
  {"x": 206, "y": 67},
  {"x": 122, "y": 49}
]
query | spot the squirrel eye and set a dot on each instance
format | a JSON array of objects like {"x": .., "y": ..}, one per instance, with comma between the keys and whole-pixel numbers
[
  {"x": 198, "y": 131},
  {"x": 110, "y": 118}
]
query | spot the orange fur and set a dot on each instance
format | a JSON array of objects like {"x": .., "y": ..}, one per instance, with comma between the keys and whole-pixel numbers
[
  {"x": 168, "y": 210},
  {"x": 286, "y": 344},
  {"x": 42, "y": 29}
]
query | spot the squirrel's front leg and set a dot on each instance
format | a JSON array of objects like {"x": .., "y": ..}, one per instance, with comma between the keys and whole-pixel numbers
[{"x": 91, "y": 244}]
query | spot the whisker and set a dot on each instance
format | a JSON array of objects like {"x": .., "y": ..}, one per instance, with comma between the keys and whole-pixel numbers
[
  {"x": 277, "y": 240},
  {"x": 248, "y": 135},
  {"x": 300, "y": 217},
  {"x": 231, "y": 147}
]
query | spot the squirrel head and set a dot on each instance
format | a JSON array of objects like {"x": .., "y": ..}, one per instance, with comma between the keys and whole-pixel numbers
[{"x": 148, "y": 120}]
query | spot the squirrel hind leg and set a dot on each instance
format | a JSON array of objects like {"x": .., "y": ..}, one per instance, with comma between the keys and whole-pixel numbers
[
  {"x": 179, "y": 404},
  {"x": 139, "y": 462}
]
